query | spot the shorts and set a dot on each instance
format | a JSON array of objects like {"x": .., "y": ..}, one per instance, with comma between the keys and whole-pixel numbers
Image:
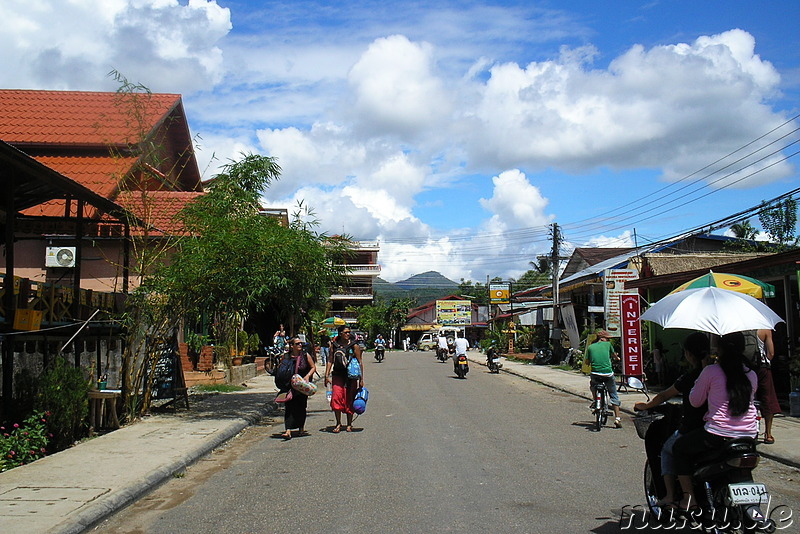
[
  {"x": 667, "y": 459},
  {"x": 611, "y": 387}
]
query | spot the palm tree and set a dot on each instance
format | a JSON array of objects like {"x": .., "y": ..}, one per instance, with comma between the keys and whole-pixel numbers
[{"x": 744, "y": 230}]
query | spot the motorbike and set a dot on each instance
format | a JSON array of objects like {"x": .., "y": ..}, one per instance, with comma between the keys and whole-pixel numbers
[
  {"x": 274, "y": 355},
  {"x": 544, "y": 356},
  {"x": 730, "y": 500},
  {"x": 492, "y": 361},
  {"x": 442, "y": 354},
  {"x": 462, "y": 366},
  {"x": 380, "y": 350}
]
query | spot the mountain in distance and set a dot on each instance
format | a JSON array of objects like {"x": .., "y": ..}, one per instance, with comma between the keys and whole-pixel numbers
[
  {"x": 428, "y": 280},
  {"x": 423, "y": 287}
]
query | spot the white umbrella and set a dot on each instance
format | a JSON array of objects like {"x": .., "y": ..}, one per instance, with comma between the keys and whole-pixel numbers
[{"x": 712, "y": 309}]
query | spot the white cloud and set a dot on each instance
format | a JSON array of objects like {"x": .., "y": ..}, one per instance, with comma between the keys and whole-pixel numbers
[
  {"x": 162, "y": 44},
  {"x": 396, "y": 89},
  {"x": 625, "y": 239},
  {"x": 676, "y": 107},
  {"x": 515, "y": 202}
]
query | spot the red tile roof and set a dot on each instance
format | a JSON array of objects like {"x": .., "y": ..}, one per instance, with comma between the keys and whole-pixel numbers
[
  {"x": 75, "y": 134},
  {"x": 69, "y": 118},
  {"x": 158, "y": 208}
]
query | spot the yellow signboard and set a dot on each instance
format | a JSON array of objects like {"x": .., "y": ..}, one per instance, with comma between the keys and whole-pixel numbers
[
  {"x": 499, "y": 293},
  {"x": 454, "y": 312}
]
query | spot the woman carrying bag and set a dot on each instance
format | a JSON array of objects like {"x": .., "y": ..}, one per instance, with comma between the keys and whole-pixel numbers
[
  {"x": 297, "y": 405},
  {"x": 344, "y": 351}
]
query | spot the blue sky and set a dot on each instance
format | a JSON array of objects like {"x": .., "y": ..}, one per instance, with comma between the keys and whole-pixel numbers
[{"x": 455, "y": 132}]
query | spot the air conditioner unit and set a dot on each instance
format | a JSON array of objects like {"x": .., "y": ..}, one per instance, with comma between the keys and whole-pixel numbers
[{"x": 60, "y": 257}]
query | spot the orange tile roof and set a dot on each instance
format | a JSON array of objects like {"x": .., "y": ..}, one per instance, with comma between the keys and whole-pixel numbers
[
  {"x": 158, "y": 208},
  {"x": 101, "y": 174},
  {"x": 70, "y": 118}
]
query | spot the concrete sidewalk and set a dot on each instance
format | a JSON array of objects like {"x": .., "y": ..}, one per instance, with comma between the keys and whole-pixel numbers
[
  {"x": 74, "y": 489},
  {"x": 786, "y": 430}
]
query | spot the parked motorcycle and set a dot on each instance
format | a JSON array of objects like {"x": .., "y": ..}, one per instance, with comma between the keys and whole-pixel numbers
[
  {"x": 544, "y": 356},
  {"x": 462, "y": 366},
  {"x": 274, "y": 355},
  {"x": 492, "y": 361},
  {"x": 730, "y": 500},
  {"x": 380, "y": 350}
]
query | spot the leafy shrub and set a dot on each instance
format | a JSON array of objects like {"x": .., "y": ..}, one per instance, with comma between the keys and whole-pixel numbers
[
  {"x": 22, "y": 444},
  {"x": 64, "y": 393}
]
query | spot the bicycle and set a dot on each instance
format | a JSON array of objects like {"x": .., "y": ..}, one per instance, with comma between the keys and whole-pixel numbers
[{"x": 600, "y": 406}]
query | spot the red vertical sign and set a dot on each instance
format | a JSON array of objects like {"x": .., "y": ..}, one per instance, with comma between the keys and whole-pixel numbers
[{"x": 631, "y": 335}]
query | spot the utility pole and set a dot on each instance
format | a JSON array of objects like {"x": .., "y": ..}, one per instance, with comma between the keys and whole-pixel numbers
[{"x": 555, "y": 259}]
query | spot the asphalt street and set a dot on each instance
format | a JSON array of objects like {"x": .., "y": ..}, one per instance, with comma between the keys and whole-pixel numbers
[{"x": 432, "y": 453}]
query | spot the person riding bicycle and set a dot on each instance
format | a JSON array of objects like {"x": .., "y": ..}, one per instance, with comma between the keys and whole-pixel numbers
[
  {"x": 599, "y": 356},
  {"x": 461, "y": 348}
]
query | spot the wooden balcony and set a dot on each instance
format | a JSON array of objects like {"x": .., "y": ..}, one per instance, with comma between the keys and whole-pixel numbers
[{"x": 57, "y": 303}]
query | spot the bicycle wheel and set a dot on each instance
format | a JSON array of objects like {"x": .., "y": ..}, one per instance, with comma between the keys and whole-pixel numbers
[{"x": 598, "y": 418}]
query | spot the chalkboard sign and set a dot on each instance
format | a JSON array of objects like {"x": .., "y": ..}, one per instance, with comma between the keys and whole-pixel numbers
[{"x": 168, "y": 380}]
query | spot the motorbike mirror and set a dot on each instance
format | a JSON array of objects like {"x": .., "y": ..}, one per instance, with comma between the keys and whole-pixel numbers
[{"x": 635, "y": 383}]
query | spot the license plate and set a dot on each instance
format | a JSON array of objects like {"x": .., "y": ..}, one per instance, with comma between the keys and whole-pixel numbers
[
  {"x": 496, "y": 360},
  {"x": 748, "y": 493}
]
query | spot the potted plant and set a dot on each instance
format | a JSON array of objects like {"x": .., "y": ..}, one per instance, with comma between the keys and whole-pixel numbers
[{"x": 253, "y": 342}]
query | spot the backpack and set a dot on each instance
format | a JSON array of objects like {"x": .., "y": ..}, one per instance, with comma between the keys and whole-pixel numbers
[
  {"x": 353, "y": 368},
  {"x": 283, "y": 376},
  {"x": 752, "y": 349}
]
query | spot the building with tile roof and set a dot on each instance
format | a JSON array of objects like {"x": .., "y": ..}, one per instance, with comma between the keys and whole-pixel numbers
[{"x": 132, "y": 148}]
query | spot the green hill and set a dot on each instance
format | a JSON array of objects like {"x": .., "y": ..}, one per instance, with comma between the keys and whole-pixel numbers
[{"x": 422, "y": 288}]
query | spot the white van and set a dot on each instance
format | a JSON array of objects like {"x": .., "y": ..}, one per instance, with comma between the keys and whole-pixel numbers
[{"x": 430, "y": 340}]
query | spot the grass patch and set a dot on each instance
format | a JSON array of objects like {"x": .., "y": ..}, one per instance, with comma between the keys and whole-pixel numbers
[
  {"x": 218, "y": 388},
  {"x": 564, "y": 367}
]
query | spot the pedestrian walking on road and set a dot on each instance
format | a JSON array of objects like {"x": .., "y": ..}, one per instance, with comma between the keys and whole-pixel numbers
[
  {"x": 297, "y": 406},
  {"x": 343, "y": 348}
]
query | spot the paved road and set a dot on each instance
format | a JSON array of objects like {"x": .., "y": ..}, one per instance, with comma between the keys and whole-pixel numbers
[{"x": 432, "y": 454}]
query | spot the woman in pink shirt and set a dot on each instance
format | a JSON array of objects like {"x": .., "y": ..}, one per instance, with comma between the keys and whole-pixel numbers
[{"x": 728, "y": 387}]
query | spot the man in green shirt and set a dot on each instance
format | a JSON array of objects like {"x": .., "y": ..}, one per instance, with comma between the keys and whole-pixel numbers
[{"x": 599, "y": 356}]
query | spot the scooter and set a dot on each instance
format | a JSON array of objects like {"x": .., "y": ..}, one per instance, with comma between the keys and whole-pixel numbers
[
  {"x": 442, "y": 354},
  {"x": 380, "y": 350},
  {"x": 729, "y": 498},
  {"x": 492, "y": 361},
  {"x": 462, "y": 366}
]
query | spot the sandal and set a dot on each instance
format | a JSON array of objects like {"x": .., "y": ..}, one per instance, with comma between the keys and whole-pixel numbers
[
  {"x": 287, "y": 435},
  {"x": 349, "y": 428},
  {"x": 337, "y": 429},
  {"x": 769, "y": 440}
]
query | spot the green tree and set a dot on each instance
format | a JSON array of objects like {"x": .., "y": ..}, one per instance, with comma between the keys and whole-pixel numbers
[
  {"x": 744, "y": 230},
  {"x": 479, "y": 293},
  {"x": 236, "y": 259},
  {"x": 530, "y": 279},
  {"x": 779, "y": 219},
  {"x": 383, "y": 318}
]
